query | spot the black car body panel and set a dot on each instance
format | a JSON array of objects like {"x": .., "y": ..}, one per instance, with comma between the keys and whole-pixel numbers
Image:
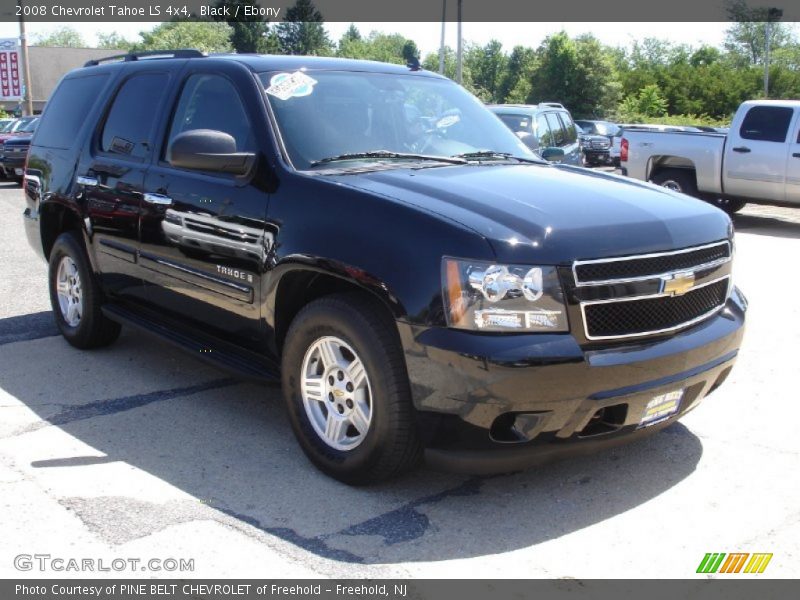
[{"x": 229, "y": 260}]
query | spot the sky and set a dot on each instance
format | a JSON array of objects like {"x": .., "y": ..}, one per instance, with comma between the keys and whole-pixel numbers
[{"x": 427, "y": 35}]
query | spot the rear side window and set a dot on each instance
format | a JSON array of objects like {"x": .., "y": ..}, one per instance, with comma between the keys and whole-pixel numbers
[
  {"x": 128, "y": 130},
  {"x": 766, "y": 123},
  {"x": 569, "y": 128},
  {"x": 559, "y": 136},
  {"x": 68, "y": 110}
]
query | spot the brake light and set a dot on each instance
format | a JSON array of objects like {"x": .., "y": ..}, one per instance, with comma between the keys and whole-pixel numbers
[{"x": 623, "y": 150}]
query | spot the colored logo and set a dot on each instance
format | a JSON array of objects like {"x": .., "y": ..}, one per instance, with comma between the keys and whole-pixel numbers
[
  {"x": 678, "y": 284},
  {"x": 735, "y": 562}
]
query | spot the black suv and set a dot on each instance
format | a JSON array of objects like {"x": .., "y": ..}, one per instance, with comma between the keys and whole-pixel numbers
[{"x": 376, "y": 239}]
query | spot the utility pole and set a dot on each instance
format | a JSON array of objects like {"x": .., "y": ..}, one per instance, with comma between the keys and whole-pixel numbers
[
  {"x": 459, "y": 51},
  {"x": 26, "y": 69},
  {"x": 441, "y": 45},
  {"x": 773, "y": 15}
]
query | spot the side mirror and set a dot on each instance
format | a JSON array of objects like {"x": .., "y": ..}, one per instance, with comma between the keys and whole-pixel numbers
[
  {"x": 552, "y": 154},
  {"x": 209, "y": 150}
]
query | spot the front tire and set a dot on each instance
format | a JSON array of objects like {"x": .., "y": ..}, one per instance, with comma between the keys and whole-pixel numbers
[
  {"x": 347, "y": 391},
  {"x": 76, "y": 297}
]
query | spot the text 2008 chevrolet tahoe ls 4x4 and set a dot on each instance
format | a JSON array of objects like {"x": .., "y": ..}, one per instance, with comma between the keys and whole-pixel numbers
[{"x": 375, "y": 238}]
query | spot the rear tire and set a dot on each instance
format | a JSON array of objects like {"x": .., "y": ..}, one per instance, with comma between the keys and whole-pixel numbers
[
  {"x": 359, "y": 434},
  {"x": 677, "y": 180},
  {"x": 76, "y": 297}
]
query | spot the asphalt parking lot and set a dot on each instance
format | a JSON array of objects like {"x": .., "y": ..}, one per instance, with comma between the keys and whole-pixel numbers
[{"x": 138, "y": 451}]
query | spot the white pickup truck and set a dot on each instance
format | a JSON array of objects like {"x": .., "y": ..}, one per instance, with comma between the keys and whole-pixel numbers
[{"x": 758, "y": 160}]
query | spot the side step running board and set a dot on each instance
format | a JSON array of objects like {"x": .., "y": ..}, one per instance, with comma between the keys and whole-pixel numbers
[{"x": 241, "y": 363}]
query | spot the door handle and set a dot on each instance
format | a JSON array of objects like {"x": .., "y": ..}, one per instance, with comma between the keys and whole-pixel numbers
[
  {"x": 86, "y": 180},
  {"x": 741, "y": 149},
  {"x": 796, "y": 154},
  {"x": 159, "y": 199}
]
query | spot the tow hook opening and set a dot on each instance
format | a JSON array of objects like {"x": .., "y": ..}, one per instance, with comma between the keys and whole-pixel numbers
[
  {"x": 605, "y": 420},
  {"x": 510, "y": 428}
]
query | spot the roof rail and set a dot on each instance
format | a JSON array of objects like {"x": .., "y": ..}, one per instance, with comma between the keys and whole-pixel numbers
[
  {"x": 552, "y": 104},
  {"x": 133, "y": 56}
]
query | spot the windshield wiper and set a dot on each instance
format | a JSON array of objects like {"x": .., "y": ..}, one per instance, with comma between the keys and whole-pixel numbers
[
  {"x": 498, "y": 155},
  {"x": 379, "y": 154}
]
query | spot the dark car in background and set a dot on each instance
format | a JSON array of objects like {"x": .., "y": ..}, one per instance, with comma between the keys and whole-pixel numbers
[
  {"x": 596, "y": 148},
  {"x": 14, "y": 149},
  {"x": 604, "y": 153},
  {"x": 546, "y": 128}
]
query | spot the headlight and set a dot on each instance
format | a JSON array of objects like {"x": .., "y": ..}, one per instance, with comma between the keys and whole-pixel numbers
[{"x": 490, "y": 297}]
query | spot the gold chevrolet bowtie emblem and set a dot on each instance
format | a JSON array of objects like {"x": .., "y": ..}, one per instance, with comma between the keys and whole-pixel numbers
[
  {"x": 678, "y": 284},
  {"x": 338, "y": 393}
]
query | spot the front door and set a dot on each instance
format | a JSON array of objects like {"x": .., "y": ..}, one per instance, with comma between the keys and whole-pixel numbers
[
  {"x": 793, "y": 164},
  {"x": 755, "y": 155},
  {"x": 202, "y": 233}
]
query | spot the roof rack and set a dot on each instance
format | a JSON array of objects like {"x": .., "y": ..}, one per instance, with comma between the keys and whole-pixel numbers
[
  {"x": 552, "y": 104},
  {"x": 133, "y": 56}
]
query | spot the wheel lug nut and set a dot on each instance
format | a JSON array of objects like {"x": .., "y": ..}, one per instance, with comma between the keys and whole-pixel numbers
[
  {"x": 340, "y": 375},
  {"x": 349, "y": 387},
  {"x": 330, "y": 379},
  {"x": 349, "y": 403},
  {"x": 341, "y": 409},
  {"x": 330, "y": 396}
]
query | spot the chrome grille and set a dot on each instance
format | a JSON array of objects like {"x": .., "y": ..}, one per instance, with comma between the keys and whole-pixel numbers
[
  {"x": 650, "y": 266},
  {"x": 637, "y": 295},
  {"x": 600, "y": 145},
  {"x": 654, "y": 314}
]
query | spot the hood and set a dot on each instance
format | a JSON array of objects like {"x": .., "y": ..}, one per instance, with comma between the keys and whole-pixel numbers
[
  {"x": 552, "y": 214},
  {"x": 19, "y": 140}
]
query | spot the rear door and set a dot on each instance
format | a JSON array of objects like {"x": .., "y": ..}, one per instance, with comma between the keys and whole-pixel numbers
[
  {"x": 110, "y": 176},
  {"x": 755, "y": 154},
  {"x": 203, "y": 247}
]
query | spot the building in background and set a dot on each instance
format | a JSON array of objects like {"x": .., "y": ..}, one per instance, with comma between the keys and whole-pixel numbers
[{"x": 47, "y": 66}]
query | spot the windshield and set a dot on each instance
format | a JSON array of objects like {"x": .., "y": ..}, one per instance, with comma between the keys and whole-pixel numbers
[
  {"x": 332, "y": 114},
  {"x": 29, "y": 126}
]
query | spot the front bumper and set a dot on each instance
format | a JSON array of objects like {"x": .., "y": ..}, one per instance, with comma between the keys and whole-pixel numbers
[{"x": 494, "y": 403}]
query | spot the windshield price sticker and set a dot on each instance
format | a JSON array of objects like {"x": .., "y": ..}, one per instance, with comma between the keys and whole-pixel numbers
[{"x": 291, "y": 85}]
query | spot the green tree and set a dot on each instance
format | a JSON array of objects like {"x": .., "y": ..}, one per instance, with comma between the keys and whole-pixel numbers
[
  {"x": 747, "y": 36},
  {"x": 391, "y": 48},
  {"x": 302, "y": 31},
  {"x": 578, "y": 73},
  {"x": 352, "y": 34},
  {"x": 515, "y": 84},
  {"x": 63, "y": 37},
  {"x": 647, "y": 103},
  {"x": 247, "y": 34},
  {"x": 487, "y": 64},
  {"x": 113, "y": 41},
  {"x": 206, "y": 36}
]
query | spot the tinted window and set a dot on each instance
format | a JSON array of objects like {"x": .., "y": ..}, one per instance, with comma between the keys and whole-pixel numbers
[
  {"x": 129, "y": 127},
  {"x": 587, "y": 126},
  {"x": 68, "y": 109},
  {"x": 517, "y": 123},
  {"x": 569, "y": 128},
  {"x": 543, "y": 131},
  {"x": 559, "y": 136},
  {"x": 766, "y": 123},
  {"x": 211, "y": 102}
]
